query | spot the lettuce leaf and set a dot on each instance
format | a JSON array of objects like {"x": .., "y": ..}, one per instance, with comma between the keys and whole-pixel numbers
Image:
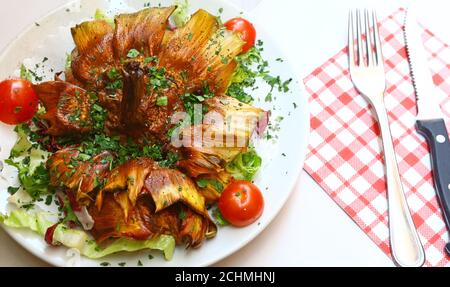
[
  {"x": 30, "y": 163},
  {"x": 245, "y": 165},
  {"x": 80, "y": 240},
  {"x": 22, "y": 144},
  {"x": 181, "y": 14},
  {"x": 100, "y": 15}
]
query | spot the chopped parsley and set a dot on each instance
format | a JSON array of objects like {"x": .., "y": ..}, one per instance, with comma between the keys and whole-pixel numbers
[
  {"x": 191, "y": 100},
  {"x": 148, "y": 60},
  {"x": 124, "y": 149},
  {"x": 48, "y": 199},
  {"x": 158, "y": 79},
  {"x": 98, "y": 116},
  {"x": 182, "y": 214},
  {"x": 115, "y": 80},
  {"x": 218, "y": 217},
  {"x": 161, "y": 101},
  {"x": 29, "y": 75},
  {"x": 214, "y": 183},
  {"x": 252, "y": 66},
  {"x": 133, "y": 53},
  {"x": 12, "y": 190}
]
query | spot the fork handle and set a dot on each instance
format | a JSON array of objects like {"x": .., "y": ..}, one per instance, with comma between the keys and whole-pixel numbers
[{"x": 406, "y": 247}]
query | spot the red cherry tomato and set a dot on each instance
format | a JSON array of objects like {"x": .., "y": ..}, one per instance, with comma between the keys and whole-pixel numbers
[
  {"x": 245, "y": 29},
  {"x": 18, "y": 101},
  {"x": 241, "y": 203}
]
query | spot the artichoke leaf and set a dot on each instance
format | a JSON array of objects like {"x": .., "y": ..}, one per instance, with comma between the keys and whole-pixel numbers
[
  {"x": 67, "y": 107},
  {"x": 131, "y": 176},
  {"x": 94, "y": 52},
  {"x": 143, "y": 31}
]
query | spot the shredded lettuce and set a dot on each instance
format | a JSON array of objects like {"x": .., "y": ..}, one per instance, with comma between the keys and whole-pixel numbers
[
  {"x": 80, "y": 240},
  {"x": 245, "y": 165},
  {"x": 181, "y": 14},
  {"x": 68, "y": 63},
  {"x": 25, "y": 73},
  {"x": 30, "y": 163},
  {"x": 19, "y": 218},
  {"x": 100, "y": 15},
  {"x": 22, "y": 144}
]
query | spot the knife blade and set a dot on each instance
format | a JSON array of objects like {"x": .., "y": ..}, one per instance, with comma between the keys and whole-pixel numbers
[{"x": 430, "y": 121}]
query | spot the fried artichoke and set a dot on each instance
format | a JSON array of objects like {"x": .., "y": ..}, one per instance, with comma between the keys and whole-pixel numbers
[{"x": 138, "y": 69}]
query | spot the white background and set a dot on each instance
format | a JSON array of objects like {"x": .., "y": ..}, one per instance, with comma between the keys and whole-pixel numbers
[{"x": 311, "y": 230}]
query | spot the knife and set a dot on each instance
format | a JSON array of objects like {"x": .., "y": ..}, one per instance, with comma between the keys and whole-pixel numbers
[{"x": 430, "y": 121}]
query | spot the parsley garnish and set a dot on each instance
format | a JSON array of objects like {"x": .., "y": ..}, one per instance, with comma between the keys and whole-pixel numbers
[
  {"x": 133, "y": 53},
  {"x": 12, "y": 190},
  {"x": 252, "y": 66},
  {"x": 220, "y": 220},
  {"x": 181, "y": 214},
  {"x": 161, "y": 101},
  {"x": 158, "y": 79}
]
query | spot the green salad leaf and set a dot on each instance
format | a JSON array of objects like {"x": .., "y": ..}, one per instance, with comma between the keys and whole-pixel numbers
[
  {"x": 30, "y": 163},
  {"x": 181, "y": 14},
  {"x": 22, "y": 144},
  {"x": 100, "y": 15},
  {"x": 245, "y": 165},
  {"x": 80, "y": 240},
  {"x": 25, "y": 73},
  {"x": 219, "y": 219}
]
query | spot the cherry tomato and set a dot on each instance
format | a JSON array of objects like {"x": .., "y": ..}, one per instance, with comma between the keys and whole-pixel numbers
[
  {"x": 245, "y": 29},
  {"x": 18, "y": 101},
  {"x": 241, "y": 203}
]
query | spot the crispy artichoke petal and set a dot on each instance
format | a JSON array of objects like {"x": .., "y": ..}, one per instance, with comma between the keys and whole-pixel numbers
[
  {"x": 226, "y": 132},
  {"x": 131, "y": 176},
  {"x": 196, "y": 162},
  {"x": 142, "y": 223},
  {"x": 79, "y": 176},
  {"x": 213, "y": 185},
  {"x": 67, "y": 107},
  {"x": 169, "y": 186},
  {"x": 94, "y": 52},
  {"x": 143, "y": 31},
  {"x": 203, "y": 51},
  {"x": 111, "y": 222}
]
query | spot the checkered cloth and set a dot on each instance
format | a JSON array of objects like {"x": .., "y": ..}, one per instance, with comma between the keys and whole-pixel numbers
[{"x": 345, "y": 149}]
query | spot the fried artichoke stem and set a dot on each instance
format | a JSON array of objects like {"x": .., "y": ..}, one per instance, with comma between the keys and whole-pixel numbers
[{"x": 133, "y": 93}]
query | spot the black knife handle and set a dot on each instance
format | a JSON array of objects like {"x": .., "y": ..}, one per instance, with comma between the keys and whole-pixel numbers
[{"x": 436, "y": 134}]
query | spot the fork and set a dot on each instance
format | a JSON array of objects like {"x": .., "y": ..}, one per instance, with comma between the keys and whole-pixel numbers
[{"x": 367, "y": 73}]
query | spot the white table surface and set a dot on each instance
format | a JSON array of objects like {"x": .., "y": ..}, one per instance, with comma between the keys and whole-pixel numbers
[{"x": 311, "y": 230}]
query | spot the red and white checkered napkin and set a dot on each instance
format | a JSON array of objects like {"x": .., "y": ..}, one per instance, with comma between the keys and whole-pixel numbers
[{"x": 345, "y": 149}]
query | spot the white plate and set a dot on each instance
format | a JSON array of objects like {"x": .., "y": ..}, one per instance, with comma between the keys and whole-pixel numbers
[{"x": 282, "y": 159}]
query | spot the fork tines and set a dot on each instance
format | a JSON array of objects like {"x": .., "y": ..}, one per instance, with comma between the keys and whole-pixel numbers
[{"x": 368, "y": 49}]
